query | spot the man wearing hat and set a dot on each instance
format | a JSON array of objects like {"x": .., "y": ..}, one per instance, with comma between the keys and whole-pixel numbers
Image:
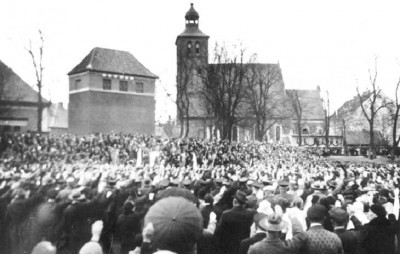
[
  {"x": 320, "y": 240},
  {"x": 350, "y": 238},
  {"x": 259, "y": 235},
  {"x": 379, "y": 232},
  {"x": 233, "y": 227},
  {"x": 273, "y": 224}
]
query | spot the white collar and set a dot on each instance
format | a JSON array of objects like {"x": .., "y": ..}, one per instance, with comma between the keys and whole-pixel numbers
[{"x": 313, "y": 224}]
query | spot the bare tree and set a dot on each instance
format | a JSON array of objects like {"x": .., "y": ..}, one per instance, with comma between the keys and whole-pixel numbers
[
  {"x": 395, "y": 118},
  {"x": 263, "y": 105},
  {"x": 327, "y": 119},
  {"x": 223, "y": 89},
  {"x": 182, "y": 95},
  {"x": 298, "y": 106},
  {"x": 38, "y": 66},
  {"x": 370, "y": 107}
]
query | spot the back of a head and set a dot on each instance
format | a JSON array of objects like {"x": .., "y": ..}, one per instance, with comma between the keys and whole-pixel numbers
[
  {"x": 44, "y": 247},
  {"x": 316, "y": 213},
  {"x": 91, "y": 248}
]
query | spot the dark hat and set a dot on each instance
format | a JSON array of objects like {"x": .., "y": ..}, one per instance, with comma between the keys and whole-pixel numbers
[
  {"x": 257, "y": 184},
  {"x": 111, "y": 180},
  {"x": 52, "y": 194},
  {"x": 339, "y": 215},
  {"x": 240, "y": 196},
  {"x": 219, "y": 180},
  {"x": 174, "y": 182},
  {"x": 316, "y": 212},
  {"x": 147, "y": 182},
  {"x": 283, "y": 183},
  {"x": 164, "y": 183},
  {"x": 379, "y": 210},
  {"x": 384, "y": 192},
  {"x": 208, "y": 198},
  {"x": 77, "y": 195}
]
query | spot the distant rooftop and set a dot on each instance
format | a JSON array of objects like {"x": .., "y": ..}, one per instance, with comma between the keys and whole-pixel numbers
[
  {"x": 14, "y": 88},
  {"x": 112, "y": 61}
]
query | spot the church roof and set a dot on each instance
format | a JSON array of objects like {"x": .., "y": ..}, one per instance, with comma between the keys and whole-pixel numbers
[
  {"x": 14, "y": 88},
  {"x": 313, "y": 107},
  {"x": 193, "y": 32},
  {"x": 112, "y": 61},
  {"x": 192, "y": 13}
]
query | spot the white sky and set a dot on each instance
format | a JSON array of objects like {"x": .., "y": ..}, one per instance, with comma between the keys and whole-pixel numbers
[{"x": 327, "y": 43}]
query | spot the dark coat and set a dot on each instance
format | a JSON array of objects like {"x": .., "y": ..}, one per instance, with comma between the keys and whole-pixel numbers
[
  {"x": 378, "y": 236},
  {"x": 129, "y": 225},
  {"x": 75, "y": 226},
  {"x": 233, "y": 227},
  {"x": 246, "y": 243},
  {"x": 350, "y": 240}
]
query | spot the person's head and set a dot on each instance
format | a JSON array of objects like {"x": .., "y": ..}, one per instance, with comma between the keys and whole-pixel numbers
[
  {"x": 316, "y": 213},
  {"x": 44, "y": 247},
  {"x": 339, "y": 216},
  {"x": 239, "y": 199},
  {"x": 298, "y": 202},
  {"x": 129, "y": 207},
  {"x": 272, "y": 222}
]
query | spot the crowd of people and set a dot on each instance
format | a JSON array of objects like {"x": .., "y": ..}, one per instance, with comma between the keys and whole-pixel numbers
[{"x": 116, "y": 193}]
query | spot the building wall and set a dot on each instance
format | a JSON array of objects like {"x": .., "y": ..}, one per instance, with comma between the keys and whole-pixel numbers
[
  {"x": 92, "y": 109},
  {"x": 95, "y": 80},
  {"x": 28, "y": 113}
]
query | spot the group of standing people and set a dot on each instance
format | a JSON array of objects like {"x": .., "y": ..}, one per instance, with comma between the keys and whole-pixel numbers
[{"x": 106, "y": 193}]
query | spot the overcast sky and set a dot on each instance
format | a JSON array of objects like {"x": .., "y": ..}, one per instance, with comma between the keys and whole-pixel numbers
[{"x": 332, "y": 44}]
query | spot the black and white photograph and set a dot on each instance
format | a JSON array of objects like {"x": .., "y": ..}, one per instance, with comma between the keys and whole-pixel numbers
[{"x": 199, "y": 127}]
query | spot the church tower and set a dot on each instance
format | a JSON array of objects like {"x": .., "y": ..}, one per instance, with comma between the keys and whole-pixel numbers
[{"x": 192, "y": 61}]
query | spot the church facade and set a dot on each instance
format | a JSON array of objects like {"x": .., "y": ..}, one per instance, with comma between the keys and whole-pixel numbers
[{"x": 192, "y": 60}]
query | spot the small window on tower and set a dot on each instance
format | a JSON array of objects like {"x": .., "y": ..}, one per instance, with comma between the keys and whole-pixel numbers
[
  {"x": 189, "y": 47},
  {"x": 123, "y": 86},
  {"x": 77, "y": 84},
  {"x": 139, "y": 88},
  {"x": 106, "y": 84},
  {"x": 197, "y": 48}
]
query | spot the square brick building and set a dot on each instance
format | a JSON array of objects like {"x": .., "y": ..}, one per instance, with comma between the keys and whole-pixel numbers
[{"x": 111, "y": 91}]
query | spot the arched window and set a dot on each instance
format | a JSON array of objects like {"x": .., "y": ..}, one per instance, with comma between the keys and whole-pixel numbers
[
  {"x": 189, "y": 47},
  {"x": 305, "y": 131},
  {"x": 197, "y": 47}
]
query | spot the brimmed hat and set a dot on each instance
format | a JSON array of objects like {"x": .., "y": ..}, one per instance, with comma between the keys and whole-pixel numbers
[
  {"x": 77, "y": 195},
  {"x": 283, "y": 183},
  {"x": 273, "y": 220},
  {"x": 257, "y": 184},
  {"x": 320, "y": 186}
]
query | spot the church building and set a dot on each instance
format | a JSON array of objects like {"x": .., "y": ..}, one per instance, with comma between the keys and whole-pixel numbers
[{"x": 192, "y": 60}]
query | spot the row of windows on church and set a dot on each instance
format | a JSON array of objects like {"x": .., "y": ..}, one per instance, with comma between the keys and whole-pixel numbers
[
  {"x": 196, "y": 47},
  {"x": 123, "y": 85}
]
